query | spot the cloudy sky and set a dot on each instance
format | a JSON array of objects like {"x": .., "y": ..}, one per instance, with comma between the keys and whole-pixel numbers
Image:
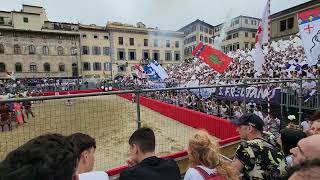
[{"x": 165, "y": 14}]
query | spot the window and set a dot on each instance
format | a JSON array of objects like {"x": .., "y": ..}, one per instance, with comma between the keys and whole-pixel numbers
[
  {"x": 2, "y": 67},
  {"x": 156, "y": 56},
  {"x": 145, "y": 55},
  {"x": 106, "y": 37},
  {"x": 61, "y": 67},
  {"x": 45, "y": 50},
  {"x": 246, "y": 45},
  {"x": 246, "y": 21},
  {"x": 168, "y": 43},
  {"x": 33, "y": 67},
  {"x": 84, "y": 36},
  {"x": 201, "y": 38},
  {"x": 17, "y": 49},
  {"x": 229, "y": 37},
  {"x": 1, "y": 49},
  {"x": 97, "y": 66},
  {"x": 156, "y": 43},
  {"x": 121, "y": 69},
  {"x": 206, "y": 39},
  {"x": 177, "y": 44},
  {"x": 238, "y": 46},
  {"x": 145, "y": 42},
  {"x": 59, "y": 37},
  {"x": 95, "y": 37},
  {"x": 201, "y": 28},
  {"x": 235, "y": 22},
  {"x": 168, "y": 56},
  {"x": 86, "y": 66},
  {"x": 131, "y": 41},
  {"x": 211, "y": 32},
  {"x": 235, "y": 35},
  {"x": 25, "y": 19},
  {"x": 1, "y": 20},
  {"x": 32, "y": 49},
  {"x": 283, "y": 25},
  {"x": 253, "y": 35},
  {"x": 96, "y": 50},
  {"x": 210, "y": 41},
  {"x": 121, "y": 55},
  {"x": 206, "y": 30},
  {"x": 74, "y": 51},
  {"x": 252, "y": 45},
  {"x": 18, "y": 67},
  {"x": 46, "y": 67},
  {"x": 132, "y": 55},
  {"x": 120, "y": 40},
  {"x": 290, "y": 23},
  {"x": 85, "y": 50},
  {"x": 60, "y": 50},
  {"x": 246, "y": 34},
  {"x": 177, "y": 56},
  {"x": 106, "y": 51}
]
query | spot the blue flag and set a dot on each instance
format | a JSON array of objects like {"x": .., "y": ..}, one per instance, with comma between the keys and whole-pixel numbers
[{"x": 151, "y": 73}]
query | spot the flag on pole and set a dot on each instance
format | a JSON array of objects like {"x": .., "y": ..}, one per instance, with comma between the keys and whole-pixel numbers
[
  {"x": 139, "y": 71},
  {"x": 217, "y": 60},
  {"x": 309, "y": 27},
  {"x": 159, "y": 70},
  {"x": 151, "y": 73},
  {"x": 262, "y": 37}
]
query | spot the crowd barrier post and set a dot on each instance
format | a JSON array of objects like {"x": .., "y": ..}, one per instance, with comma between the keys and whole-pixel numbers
[
  {"x": 300, "y": 101},
  {"x": 245, "y": 95},
  {"x": 281, "y": 104},
  {"x": 318, "y": 93},
  {"x": 137, "y": 98}
]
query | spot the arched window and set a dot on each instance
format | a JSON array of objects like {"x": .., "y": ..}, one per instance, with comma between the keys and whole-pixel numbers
[
  {"x": 18, "y": 67},
  {"x": 74, "y": 51},
  {"x": 32, "y": 49},
  {"x": 1, "y": 48},
  {"x": 2, "y": 67},
  {"x": 17, "y": 49},
  {"x": 46, "y": 67},
  {"x": 45, "y": 50},
  {"x": 61, "y": 67},
  {"x": 60, "y": 50},
  {"x": 33, "y": 67}
]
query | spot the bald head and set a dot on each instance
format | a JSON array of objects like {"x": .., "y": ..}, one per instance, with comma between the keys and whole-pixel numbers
[{"x": 307, "y": 148}]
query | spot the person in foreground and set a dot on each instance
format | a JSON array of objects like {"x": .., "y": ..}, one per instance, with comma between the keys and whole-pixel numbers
[
  {"x": 257, "y": 157},
  {"x": 143, "y": 164},
  {"x": 206, "y": 162},
  {"x": 47, "y": 157},
  {"x": 86, "y": 148}
]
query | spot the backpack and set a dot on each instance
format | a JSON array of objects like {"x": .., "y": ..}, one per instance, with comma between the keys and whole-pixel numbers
[{"x": 207, "y": 176}]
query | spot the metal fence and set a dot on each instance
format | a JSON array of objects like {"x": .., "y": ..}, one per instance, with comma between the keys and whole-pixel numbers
[{"x": 109, "y": 118}]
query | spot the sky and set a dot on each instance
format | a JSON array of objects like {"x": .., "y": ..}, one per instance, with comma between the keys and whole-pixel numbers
[{"x": 164, "y": 14}]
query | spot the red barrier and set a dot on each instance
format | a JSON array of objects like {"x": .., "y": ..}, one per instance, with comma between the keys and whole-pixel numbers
[{"x": 51, "y": 93}]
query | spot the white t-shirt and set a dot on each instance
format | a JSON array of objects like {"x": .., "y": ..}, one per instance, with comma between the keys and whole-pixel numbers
[
  {"x": 95, "y": 175},
  {"x": 305, "y": 125},
  {"x": 193, "y": 174}
]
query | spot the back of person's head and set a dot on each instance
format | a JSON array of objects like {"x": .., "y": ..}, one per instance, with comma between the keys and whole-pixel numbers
[
  {"x": 49, "y": 156},
  {"x": 309, "y": 170},
  {"x": 203, "y": 151},
  {"x": 143, "y": 137},
  {"x": 290, "y": 138},
  {"x": 82, "y": 141}
]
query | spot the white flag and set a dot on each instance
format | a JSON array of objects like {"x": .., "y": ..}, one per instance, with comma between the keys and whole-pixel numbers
[
  {"x": 309, "y": 27},
  {"x": 159, "y": 70},
  {"x": 262, "y": 37}
]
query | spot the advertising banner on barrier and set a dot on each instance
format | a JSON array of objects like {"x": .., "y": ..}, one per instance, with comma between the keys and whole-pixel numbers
[{"x": 255, "y": 94}]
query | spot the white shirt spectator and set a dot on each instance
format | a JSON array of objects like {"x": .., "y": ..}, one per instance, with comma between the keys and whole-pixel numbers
[
  {"x": 193, "y": 174},
  {"x": 96, "y": 175}
]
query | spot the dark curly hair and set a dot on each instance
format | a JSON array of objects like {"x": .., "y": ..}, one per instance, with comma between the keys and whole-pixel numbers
[{"x": 47, "y": 157}]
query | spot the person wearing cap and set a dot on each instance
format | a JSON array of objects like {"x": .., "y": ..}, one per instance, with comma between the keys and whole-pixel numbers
[{"x": 257, "y": 157}]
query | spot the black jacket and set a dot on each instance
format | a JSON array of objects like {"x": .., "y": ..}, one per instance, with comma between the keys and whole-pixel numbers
[{"x": 152, "y": 168}]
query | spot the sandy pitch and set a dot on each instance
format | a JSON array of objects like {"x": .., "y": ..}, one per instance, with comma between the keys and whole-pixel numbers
[{"x": 109, "y": 119}]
